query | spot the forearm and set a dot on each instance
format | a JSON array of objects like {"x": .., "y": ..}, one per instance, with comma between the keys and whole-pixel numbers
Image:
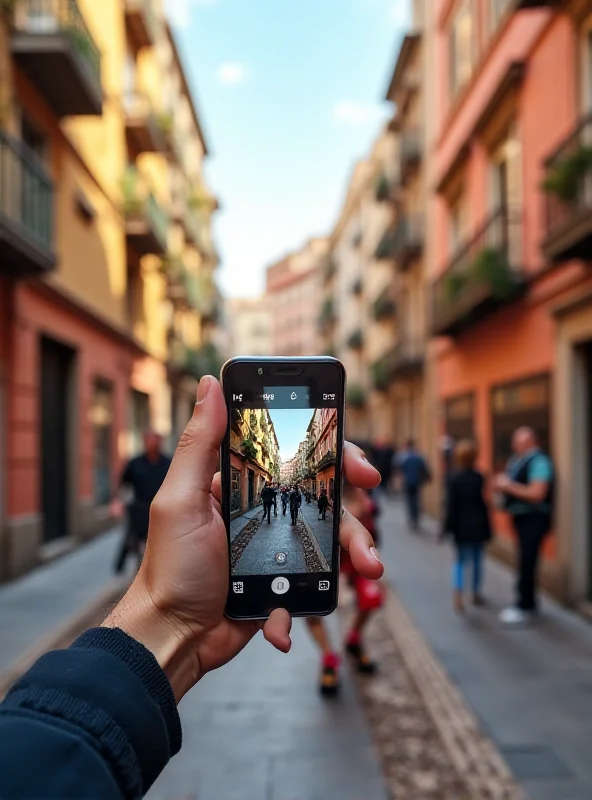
[{"x": 529, "y": 493}]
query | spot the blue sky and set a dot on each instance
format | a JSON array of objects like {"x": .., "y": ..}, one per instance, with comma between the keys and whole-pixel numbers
[
  {"x": 291, "y": 94},
  {"x": 290, "y": 426}
]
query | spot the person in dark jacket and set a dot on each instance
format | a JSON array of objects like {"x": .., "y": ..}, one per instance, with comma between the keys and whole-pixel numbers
[
  {"x": 144, "y": 475},
  {"x": 323, "y": 504},
  {"x": 295, "y": 503},
  {"x": 467, "y": 521},
  {"x": 99, "y": 719},
  {"x": 268, "y": 499},
  {"x": 415, "y": 474}
]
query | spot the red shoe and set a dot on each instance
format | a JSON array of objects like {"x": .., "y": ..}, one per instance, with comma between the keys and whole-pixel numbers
[{"x": 329, "y": 680}]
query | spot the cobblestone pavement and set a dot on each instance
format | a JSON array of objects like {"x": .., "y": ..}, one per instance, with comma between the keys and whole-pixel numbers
[
  {"x": 259, "y": 555},
  {"x": 323, "y": 530}
]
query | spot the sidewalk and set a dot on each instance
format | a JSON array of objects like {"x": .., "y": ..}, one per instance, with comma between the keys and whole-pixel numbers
[
  {"x": 530, "y": 688},
  {"x": 45, "y": 599},
  {"x": 323, "y": 530},
  {"x": 258, "y": 730}
]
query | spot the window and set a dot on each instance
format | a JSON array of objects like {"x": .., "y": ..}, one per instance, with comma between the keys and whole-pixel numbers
[
  {"x": 522, "y": 403},
  {"x": 459, "y": 417},
  {"x": 101, "y": 420},
  {"x": 506, "y": 189},
  {"x": 139, "y": 421},
  {"x": 462, "y": 46}
]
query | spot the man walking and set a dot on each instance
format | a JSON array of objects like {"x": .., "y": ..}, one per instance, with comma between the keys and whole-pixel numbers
[
  {"x": 323, "y": 504},
  {"x": 267, "y": 498},
  {"x": 295, "y": 503},
  {"x": 415, "y": 473},
  {"x": 284, "y": 497},
  {"x": 528, "y": 488},
  {"x": 144, "y": 475}
]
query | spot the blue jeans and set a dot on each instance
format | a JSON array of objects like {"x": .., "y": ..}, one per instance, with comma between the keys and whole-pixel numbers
[
  {"x": 413, "y": 505},
  {"x": 465, "y": 553}
]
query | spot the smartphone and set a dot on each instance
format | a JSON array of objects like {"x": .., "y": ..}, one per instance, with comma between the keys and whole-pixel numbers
[{"x": 281, "y": 465}]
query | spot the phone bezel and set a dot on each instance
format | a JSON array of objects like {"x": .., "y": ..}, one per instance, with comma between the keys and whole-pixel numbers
[{"x": 317, "y": 365}]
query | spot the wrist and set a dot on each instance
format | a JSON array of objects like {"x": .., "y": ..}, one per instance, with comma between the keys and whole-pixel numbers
[{"x": 172, "y": 646}]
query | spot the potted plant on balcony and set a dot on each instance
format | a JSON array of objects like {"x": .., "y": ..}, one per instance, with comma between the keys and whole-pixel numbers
[
  {"x": 133, "y": 200},
  {"x": 380, "y": 375},
  {"x": 356, "y": 396},
  {"x": 249, "y": 449},
  {"x": 454, "y": 283},
  {"x": 384, "y": 307},
  {"x": 564, "y": 177},
  {"x": 492, "y": 268},
  {"x": 355, "y": 340},
  {"x": 383, "y": 189}
]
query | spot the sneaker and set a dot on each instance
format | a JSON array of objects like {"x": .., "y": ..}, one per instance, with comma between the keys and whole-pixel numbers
[
  {"x": 515, "y": 617},
  {"x": 363, "y": 662},
  {"x": 329, "y": 680}
]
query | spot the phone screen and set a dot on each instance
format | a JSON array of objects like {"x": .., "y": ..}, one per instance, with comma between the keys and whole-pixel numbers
[{"x": 283, "y": 479}]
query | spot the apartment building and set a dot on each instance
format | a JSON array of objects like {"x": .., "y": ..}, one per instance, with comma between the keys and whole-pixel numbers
[
  {"x": 249, "y": 320},
  {"x": 292, "y": 292},
  {"x": 512, "y": 219},
  {"x": 106, "y": 259}
]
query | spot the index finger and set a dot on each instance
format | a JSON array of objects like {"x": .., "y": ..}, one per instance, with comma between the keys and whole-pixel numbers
[{"x": 358, "y": 470}]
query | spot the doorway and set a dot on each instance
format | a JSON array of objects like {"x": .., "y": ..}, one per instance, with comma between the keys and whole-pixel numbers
[
  {"x": 57, "y": 363},
  {"x": 251, "y": 488}
]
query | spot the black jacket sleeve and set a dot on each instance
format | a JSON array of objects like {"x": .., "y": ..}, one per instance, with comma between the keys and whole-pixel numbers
[{"x": 98, "y": 720}]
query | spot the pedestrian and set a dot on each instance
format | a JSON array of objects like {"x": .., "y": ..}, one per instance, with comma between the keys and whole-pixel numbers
[
  {"x": 295, "y": 503},
  {"x": 323, "y": 504},
  {"x": 383, "y": 458},
  {"x": 528, "y": 487},
  {"x": 275, "y": 494},
  {"x": 415, "y": 474},
  {"x": 467, "y": 521},
  {"x": 284, "y": 498},
  {"x": 369, "y": 597},
  {"x": 144, "y": 475},
  {"x": 267, "y": 498}
]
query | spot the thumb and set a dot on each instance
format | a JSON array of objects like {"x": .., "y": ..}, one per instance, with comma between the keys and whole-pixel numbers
[{"x": 196, "y": 458}]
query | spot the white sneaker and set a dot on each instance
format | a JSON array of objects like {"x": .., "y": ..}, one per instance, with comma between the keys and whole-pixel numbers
[{"x": 515, "y": 617}]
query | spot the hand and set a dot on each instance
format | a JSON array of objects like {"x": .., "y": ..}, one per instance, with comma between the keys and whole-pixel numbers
[
  {"x": 175, "y": 606},
  {"x": 501, "y": 482},
  {"x": 116, "y": 508}
]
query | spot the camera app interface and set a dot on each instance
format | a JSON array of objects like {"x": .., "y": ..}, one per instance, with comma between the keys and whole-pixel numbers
[{"x": 282, "y": 462}]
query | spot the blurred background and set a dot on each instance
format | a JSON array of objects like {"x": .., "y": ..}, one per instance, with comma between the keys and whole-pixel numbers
[{"x": 403, "y": 184}]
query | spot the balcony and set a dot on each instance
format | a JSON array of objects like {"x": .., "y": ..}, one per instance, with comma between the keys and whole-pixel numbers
[
  {"x": 26, "y": 212},
  {"x": 384, "y": 307},
  {"x": 52, "y": 45},
  {"x": 356, "y": 396},
  {"x": 385, "y": 190},
  {"x": 198, "y": 362},
  {"x": 406, "y": 359},
  {"x": 146, "y": 222},
  {"x": 141, "y": 22},
  {"x": 145, "y": 130},
  {"x": 182, "y": 289},
  {"x": 355, "y": 340},
  {"x": 484, "y": 275},
  {"x": 568, "y": 191},
  {"x": 327, "y": 317},
  {"x": 411, "y": 151},
  {"x": 328, "y": 460},
  {"x": 408, "y": 240}
]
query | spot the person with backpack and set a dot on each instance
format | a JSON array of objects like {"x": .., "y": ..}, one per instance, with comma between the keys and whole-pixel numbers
[
  {"x": 528, "y": 488},
  {"x": 415, "y": 473}
]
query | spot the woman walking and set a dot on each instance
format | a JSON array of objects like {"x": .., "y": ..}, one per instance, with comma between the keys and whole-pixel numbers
[{"x": 467, "y": 521}]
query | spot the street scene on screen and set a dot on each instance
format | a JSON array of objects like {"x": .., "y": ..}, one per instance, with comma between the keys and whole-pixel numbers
[{"x": 282, "y": 486}]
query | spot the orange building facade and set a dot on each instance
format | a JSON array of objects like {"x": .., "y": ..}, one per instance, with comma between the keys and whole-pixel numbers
[{"x": 510, "y": 290}]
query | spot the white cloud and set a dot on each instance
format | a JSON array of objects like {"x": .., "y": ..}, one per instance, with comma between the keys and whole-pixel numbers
[
  {"x": 232, "y": 73},
  {"x": 348, "y": 112},
  {"x": 179, "y": 11},
  {"x": 399, "y": 14}
]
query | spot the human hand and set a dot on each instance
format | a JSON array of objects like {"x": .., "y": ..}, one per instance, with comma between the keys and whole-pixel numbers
[
  {"x": 501, "y": 482},
  {"x": 175, "y": 605}
]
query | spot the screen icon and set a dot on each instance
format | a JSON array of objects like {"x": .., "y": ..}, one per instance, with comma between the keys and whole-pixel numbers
[
  {"x": 293, "y": 396},
  {"x": 280, "y": 585},
  {"x": 237, "y": 398},
  {"x": 238, "y": 587},
  {"x": 324, "y": 586}
]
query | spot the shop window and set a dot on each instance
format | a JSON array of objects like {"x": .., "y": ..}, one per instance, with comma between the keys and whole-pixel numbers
[
  {"x": 101, "y": 420},
  {"x": 525, "y": 402},
  {"x": 462, "y": 46},
  {"x": 459, "y": 417}
]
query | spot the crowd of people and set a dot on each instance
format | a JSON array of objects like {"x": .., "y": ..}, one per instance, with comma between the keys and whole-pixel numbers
[{"x": 291, "y": 498}]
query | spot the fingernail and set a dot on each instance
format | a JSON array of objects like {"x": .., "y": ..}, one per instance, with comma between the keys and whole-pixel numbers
[
  {"x": 375, "y": 554},
  {"x": 203, "y": 388}
]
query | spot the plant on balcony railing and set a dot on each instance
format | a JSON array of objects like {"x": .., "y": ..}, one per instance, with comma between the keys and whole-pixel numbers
[
  {"x": 204, "y": 361},
  {"x": 384, "y": 307},
  {"x": 385, "y": 247},
  {"x": 492, "y": 268},
  {"x": 356, "y": 396},
  {"x": 564, "y": 177},
  {"x": 327, "y": 315},
  {"x": 327, "y": 460},
  {"x": 165, "y": 121},
  {"x": 381, "y": 375},
  {"x": 134, "y": 195},
  {"x": 249, "y": 449},
  {"x": 383, "y": 189},
  {"x": 355, "y": 340}
]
